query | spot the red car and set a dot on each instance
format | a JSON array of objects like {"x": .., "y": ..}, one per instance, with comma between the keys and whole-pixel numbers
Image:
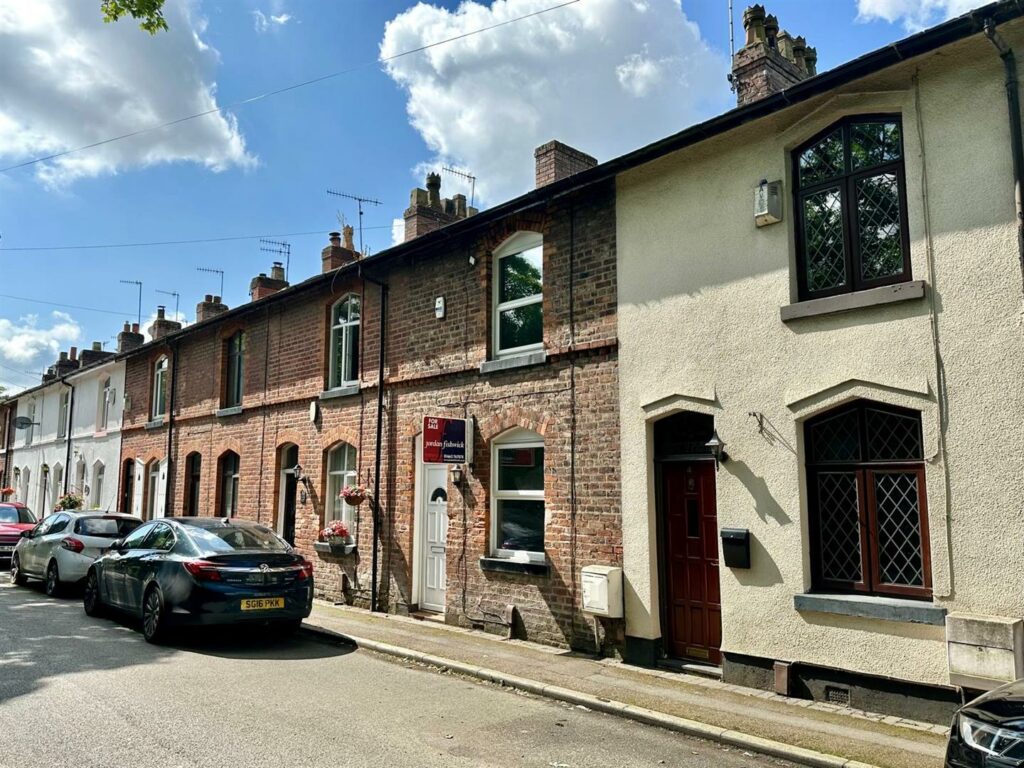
[{"x": 15, "y": 518}]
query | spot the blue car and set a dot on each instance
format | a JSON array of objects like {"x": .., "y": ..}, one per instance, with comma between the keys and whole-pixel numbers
[{"x": 187, "y": 571}]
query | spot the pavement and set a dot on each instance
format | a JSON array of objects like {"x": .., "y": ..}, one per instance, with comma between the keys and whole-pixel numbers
[
  {"x": 805, "y": 732},
  {"x": 89, "y": 692}
]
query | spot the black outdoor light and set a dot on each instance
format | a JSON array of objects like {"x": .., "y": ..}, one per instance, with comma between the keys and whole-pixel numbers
[
  {"x": 717, "y": 447},
  {"x": 301, "y": 478},
  {"x": 456, "y": 474}
]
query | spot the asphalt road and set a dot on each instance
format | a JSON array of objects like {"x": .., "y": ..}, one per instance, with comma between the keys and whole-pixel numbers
[{"x": 83, "y": 692}]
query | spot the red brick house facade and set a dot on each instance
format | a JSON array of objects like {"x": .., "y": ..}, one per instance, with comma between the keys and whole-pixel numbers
[{"x": 281, "y": 354}]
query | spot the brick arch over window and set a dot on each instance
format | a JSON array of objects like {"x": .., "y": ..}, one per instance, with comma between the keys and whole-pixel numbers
[
  {"x": 285, "y": 436},
  {"x": 525, "y": 418},
  {"x": 226, "y": 444},
  {"x": 338, "y": 434},
  {"x": 524, "y": 222}
]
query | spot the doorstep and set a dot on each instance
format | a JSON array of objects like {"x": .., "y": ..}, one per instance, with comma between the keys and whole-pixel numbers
[{"x": 838, "y": 736}]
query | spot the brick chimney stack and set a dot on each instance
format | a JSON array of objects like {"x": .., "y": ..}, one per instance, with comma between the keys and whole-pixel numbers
[
  {"x": 770, "y": 60},
  {"x": 336, "y": 255},
  {"x": 210, "y": 306},
  {"x": 65, "y": 364},
  {"x": 428, "y": 211},
  {"x": 129, "y": 338},
  {"x": 162, "y": 326},
  {"x": 262, "y": 286},
  {"x": 97, "y": 353},
  {"x": 556, "y": 161}
]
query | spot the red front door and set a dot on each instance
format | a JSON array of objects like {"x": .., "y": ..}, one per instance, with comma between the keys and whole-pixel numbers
[{"x": 693, "y": 609}]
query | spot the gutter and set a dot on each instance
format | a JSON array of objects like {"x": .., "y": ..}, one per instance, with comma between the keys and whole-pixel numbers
[
  {"x": 380, "y": 432},
  {"x": 1016, "y": 132}
]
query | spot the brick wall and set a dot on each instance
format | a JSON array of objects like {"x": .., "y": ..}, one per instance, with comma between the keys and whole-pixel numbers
[{"x": 432, "y": 368}]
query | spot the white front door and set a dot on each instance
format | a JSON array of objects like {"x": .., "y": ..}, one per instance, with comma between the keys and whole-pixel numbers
[{"x": 434, "y": 527}]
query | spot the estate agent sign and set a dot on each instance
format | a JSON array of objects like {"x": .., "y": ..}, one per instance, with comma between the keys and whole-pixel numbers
[{"x": 446, "y": 441}]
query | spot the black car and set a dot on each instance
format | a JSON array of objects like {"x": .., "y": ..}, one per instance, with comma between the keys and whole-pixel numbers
[
  {"x": 989, "y": 731},
  {"x": 201, "y": 571}
]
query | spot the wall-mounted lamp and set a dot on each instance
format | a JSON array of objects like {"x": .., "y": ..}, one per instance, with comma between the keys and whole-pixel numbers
[
  {"x": 301, "y": 477},
  {"x": 717, "y": 447},
  {"x": 457, "y": 474}
]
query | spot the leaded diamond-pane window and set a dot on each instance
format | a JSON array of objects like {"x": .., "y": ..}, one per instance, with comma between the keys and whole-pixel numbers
[
  {"x": 869, "y": 524},
  {"x": 850, "y": 192}
]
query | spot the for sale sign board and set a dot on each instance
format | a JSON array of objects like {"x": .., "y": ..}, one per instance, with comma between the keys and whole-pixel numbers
[{"x": 446, "y": 441}]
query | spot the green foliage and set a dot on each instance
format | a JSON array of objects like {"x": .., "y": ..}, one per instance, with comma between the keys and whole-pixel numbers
[
  {"x": 70, "y": 501},
  {"x": 149, "y": 12}
]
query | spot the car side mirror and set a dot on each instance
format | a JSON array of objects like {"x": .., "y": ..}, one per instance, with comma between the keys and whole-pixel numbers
[
  {"x": 117, "y": 544},
  {"x": 26, "y": 534}
]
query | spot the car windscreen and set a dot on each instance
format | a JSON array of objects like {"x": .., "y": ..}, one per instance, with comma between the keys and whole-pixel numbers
[
  {"x": 106, "y": 527},
  {"x": 11, "y": 514},
  {"x": 230, "y": 538}
]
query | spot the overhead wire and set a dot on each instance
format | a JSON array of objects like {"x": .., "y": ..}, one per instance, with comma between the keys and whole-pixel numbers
[
  {"x": 93, "y": 246},
  {"x": 286, "y": 89},
  {"x": 66, "y": 306}
]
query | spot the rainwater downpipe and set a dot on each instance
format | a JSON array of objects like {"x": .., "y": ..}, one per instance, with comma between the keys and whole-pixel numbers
[
  {"x": 380, "y": 436},
  {"x": 70, "y": 433},
  {"x": 1016, "y": 133},
  {"x": 169, "y": 480}
]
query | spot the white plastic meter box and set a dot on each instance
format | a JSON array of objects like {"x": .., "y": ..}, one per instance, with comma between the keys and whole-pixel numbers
[{"x": 602, "y": 591}]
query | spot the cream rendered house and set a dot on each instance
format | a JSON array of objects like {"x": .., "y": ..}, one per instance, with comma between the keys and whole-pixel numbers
[{"x": 858, "y": 348}]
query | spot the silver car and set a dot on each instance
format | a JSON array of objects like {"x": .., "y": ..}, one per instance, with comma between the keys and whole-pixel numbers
[{"x": 62, "y": 546}]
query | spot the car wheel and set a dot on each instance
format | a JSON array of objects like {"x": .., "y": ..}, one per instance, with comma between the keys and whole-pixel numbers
[
  {"x": 91, "y": 600},
  {"x": 154, "y": 623},
  {"x": 52, "y": 579},
  {"x": 17, "y": 575}
]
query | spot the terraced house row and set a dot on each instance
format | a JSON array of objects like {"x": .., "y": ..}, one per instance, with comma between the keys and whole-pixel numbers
[{"x": 762, "y": 373}]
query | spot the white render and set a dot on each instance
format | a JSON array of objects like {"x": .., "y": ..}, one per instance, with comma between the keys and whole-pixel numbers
[
  {"x": 700, "y": 290},
  {"x": 85, "y": 458}
]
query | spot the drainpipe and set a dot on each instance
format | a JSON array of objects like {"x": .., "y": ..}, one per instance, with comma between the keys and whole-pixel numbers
[
  {"x": 380, "y": 432},
  {"x": 71, "y": 421},
  {"x": 1016, "y": 133},
  {"x": 168, "y": 481}
]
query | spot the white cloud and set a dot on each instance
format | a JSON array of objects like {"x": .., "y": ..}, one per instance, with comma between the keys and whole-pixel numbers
[
  {"x": 397, "y": 231},
  {"x": 604, "y": 76},
  {"x": 70, "y": 79},
  {"x": 265, "y": 22},
  {"x": 914, "y": 14},
  {"x": 28, "y": 346}
]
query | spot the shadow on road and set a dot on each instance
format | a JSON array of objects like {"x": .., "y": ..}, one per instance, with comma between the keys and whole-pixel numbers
[{"x": 43, "y": 638}]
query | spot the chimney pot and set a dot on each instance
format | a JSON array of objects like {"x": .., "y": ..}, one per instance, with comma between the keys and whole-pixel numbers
[
  {"x": 63, "y": 356},
  {"x": 73, "y": 354},
  {"x": 208, "y": 298},
  {"x": 335, "y": 238},
  {"x": 127, "y": 328},
  {"x": 277, "y": 271},
  {"x": 434, "y": 190},
  {"x": 753, "y": 24},
  {"x": 135, "y": 327},
  {"x": 97, "y": 346},
  {"x": 160, "y": 312},
  {"x": 349, "y": 240},
  {"x": 771, "y": 60}
]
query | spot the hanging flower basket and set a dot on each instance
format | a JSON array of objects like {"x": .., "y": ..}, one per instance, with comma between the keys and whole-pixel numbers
[
  {"x": 70, "y": 501},
  {"x": 5, "y": 492},
  {"x": 354, "y": 495}
]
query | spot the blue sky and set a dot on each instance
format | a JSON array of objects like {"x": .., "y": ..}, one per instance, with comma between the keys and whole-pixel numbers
[{"x": 603, "y": 75}]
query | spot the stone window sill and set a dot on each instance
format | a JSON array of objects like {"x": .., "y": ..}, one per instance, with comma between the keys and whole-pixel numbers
[
  {"x": 234, "y": 410},
  {"x": 846, "y": 302},
  {"x": 155, "y": 423},
  {"x": 504, "y": 565},
  {"x": 330, "y": 394},
  {"x": 516, "y": 361},
  {"x": 872, "y": 607}
]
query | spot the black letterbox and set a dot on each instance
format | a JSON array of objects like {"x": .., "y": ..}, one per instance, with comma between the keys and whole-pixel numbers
[{"x": 736, "y": 547}]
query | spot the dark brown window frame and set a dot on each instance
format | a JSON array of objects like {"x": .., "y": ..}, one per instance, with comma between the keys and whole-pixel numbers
[
  {"x": 847, "y": 181},
  {"x": 865, "y": 470},
  {"x": 234, "y": 370}
]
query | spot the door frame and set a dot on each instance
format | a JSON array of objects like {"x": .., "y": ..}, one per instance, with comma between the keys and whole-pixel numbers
[
  {"x": 419, "y": 528},
  {"x": 661, "y": 532},
  {"x": 282, "y": 490}
]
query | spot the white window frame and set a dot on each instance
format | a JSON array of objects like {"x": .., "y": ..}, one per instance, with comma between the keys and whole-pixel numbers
[
  {"x": 160, "y": 387},
  {"x": 98, "y": 471},
  {"x": 337, "y": 479},
  {"x": 513, "y": 246},
  {"x": 516, "y": 438},
  {"x": 104, "y": 409},
  {"x": 62, "y": 414},
  {"x": 340, "y": 333},
  {"x": 57, "y": 482}
]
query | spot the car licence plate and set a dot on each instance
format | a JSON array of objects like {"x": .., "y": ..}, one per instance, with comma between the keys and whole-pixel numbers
[{"x": 262, "y": 603}]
